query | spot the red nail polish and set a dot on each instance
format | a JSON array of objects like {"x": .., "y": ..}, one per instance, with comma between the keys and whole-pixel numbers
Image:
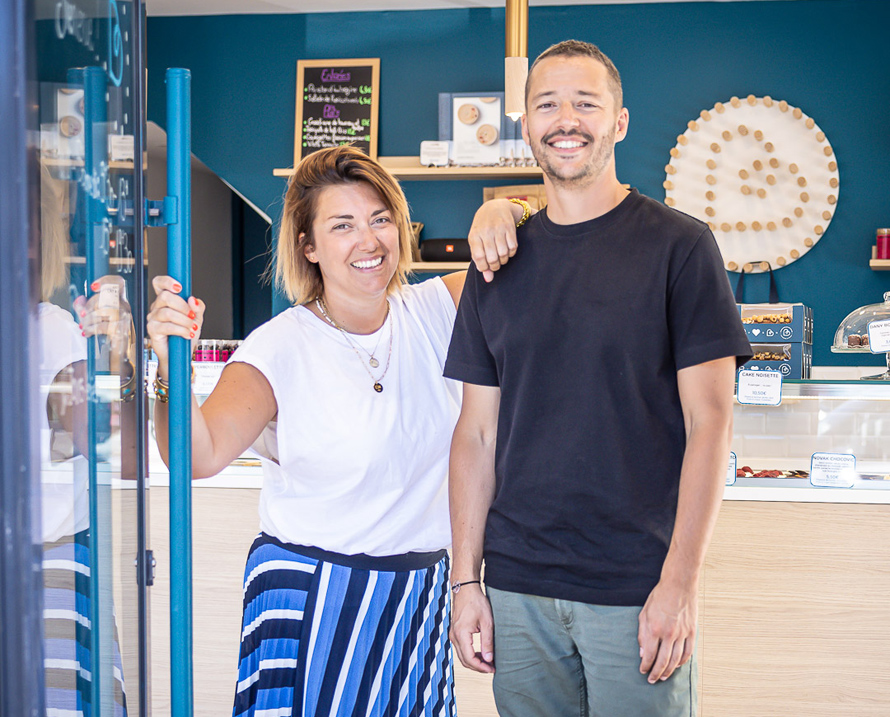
[
  {"x": 192, "y": 315},
  {"x": 177, "y": 287},
  {"x": 192, "y": 335},
  {"x": 82, "y": 314},
  {"x": 195, "y": 327},
  {"x": 83, "y": 333}
]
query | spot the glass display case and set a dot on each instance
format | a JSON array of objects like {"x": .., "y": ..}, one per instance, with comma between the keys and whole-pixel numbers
[
  {"x": 817, "y": 422},
  {"x": 865, "y": 330}
]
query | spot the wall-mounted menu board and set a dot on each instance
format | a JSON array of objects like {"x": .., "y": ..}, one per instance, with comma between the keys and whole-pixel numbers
[{"x": 336, "y": 104}]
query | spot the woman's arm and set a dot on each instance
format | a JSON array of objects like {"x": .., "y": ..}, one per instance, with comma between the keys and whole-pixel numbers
[{"x": 234, "y": 415}]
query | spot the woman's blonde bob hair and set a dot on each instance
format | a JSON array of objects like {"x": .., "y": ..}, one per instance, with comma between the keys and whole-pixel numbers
[{"x": 299, "y": 278}]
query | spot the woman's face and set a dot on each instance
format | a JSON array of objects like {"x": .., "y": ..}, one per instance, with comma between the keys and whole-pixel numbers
[{"x": 355, "y": 241}]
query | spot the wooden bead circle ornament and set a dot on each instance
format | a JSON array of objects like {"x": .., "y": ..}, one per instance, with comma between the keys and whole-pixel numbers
[{"x": 761, "y": 174}]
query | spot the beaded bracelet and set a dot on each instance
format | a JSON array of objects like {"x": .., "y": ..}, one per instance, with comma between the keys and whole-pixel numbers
[
  {"x": 526, "y": 210},
  {"x": 162, "y": 388}
]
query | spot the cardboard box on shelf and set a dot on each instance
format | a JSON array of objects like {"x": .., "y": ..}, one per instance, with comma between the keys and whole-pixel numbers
[{"x": 777, "y": 323}]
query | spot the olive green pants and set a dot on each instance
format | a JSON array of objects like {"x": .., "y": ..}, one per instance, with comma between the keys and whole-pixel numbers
[{"x": 558, "y": 658}]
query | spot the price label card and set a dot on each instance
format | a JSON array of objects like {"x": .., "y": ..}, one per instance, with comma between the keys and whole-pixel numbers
[
  {"x": 879, "y": 337},
  {"x": 731, "y": 471},
  {"x": 760, "y": 388},
  {"x": 833, "y": 470},
  {"x": 207, "y": 375}
]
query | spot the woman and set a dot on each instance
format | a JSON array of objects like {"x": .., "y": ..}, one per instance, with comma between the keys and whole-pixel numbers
[{"x": 345, "y": 591}]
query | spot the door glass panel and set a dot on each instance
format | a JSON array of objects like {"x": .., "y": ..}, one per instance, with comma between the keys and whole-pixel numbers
[{"x": 88, "y": 384}]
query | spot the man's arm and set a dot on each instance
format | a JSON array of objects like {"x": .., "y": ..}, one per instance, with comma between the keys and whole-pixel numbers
[
  {"x": 493, "y": 235},
  {"x": 669, "y": 618},
  {"x": 471, "y": 491}
]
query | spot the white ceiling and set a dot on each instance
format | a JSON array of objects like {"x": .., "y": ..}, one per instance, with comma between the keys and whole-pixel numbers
[{"x": 250, "y": 7}]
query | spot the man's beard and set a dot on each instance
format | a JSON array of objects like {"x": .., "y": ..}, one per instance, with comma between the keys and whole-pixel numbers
[{"x": 587, "y": 173}]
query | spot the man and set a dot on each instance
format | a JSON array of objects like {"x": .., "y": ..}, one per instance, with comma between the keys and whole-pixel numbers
[{"x": 587, "y": 466}]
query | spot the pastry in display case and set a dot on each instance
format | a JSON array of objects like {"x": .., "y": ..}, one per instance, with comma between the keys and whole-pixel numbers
[
  {"x": 866, "y": 330},
  {"x": 823, "y": 434}
]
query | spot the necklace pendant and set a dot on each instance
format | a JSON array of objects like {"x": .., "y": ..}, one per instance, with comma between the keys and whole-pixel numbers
[
  {"x": 374, "y": 362},
  {"x": 378, "y": 387}
]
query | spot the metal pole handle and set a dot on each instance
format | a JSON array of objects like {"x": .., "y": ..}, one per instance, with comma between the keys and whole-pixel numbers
[{"x": 179, "y": 266}]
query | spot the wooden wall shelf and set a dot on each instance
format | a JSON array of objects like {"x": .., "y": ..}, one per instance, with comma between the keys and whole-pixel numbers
[
  {"x": 435, "y": 267},
  {"x": 878, "y": 264},
  {"x": 410, "y": 169}
]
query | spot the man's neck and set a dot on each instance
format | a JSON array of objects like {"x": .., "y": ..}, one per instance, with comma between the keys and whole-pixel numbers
[{"x": 574, "y": 204}]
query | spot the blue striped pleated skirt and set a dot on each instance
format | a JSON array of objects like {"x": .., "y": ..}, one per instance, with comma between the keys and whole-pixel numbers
[
  {"x": 329, "y": 635},
  {"x": 68, "y": 662}
]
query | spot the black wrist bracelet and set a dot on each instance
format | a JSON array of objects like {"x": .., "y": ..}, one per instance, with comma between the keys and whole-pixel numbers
[{"x": 455, "y": 587}]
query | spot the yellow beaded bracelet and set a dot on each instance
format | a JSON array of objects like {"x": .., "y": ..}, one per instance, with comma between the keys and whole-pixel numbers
[{"x": 526, "y": 210}]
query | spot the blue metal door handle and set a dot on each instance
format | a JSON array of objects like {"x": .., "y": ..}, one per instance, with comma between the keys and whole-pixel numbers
[{"x": 179, "y": 266}]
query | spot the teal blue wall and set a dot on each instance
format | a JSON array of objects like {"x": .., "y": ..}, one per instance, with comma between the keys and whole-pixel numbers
[{"x": 828, "y": 57}]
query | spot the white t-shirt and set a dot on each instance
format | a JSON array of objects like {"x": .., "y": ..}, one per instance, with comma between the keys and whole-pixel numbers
[
  {"x": 347, "y": 469},
  {"x": 64, "y": 484}
]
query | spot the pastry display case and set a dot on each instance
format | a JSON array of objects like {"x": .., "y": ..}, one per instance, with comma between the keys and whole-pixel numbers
[
  {"x": 861, "y": 332},
  {"x": 774, "y": 446}
]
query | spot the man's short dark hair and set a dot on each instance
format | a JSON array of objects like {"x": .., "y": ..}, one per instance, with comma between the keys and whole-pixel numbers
[{"x": 577, "y": 48}]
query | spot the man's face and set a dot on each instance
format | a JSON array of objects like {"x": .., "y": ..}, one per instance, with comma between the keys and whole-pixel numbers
[{"x": 571, "y": 120}]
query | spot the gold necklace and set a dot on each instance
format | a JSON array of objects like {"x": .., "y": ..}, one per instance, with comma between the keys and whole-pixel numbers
[{"x": 378, "y": 386}]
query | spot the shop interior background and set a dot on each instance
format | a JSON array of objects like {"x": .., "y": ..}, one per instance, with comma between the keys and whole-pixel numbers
[{"x": 825, "y": 56}]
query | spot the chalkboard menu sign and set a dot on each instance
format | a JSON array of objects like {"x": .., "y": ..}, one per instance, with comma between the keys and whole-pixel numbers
[{"x": 336, "y": 104}]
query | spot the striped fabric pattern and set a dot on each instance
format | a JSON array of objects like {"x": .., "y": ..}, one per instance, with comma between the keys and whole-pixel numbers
[
  {"x": 321, "y": 639},
  {"x": 66, "y": 621}
]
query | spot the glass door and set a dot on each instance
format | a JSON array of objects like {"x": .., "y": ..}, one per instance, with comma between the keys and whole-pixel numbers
[{"x": 89, "y": 364}]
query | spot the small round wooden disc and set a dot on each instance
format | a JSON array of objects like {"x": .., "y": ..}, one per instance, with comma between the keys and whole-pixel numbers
[{"x": 468, "y": 114}]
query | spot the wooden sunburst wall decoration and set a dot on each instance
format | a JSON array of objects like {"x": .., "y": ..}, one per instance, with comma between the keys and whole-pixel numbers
[{"x": 761, "y": 174}]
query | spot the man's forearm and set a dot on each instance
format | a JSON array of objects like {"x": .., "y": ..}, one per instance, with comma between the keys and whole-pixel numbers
[
  {"x": 471, "y": 492},
  {"x": 701, "y": 493}
]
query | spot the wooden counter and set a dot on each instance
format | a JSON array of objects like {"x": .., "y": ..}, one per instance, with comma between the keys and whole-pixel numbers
[{"x": 795, "y": 608}]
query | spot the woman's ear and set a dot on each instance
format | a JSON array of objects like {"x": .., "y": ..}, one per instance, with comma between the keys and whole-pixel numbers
[{"x": 308, "y": 249}]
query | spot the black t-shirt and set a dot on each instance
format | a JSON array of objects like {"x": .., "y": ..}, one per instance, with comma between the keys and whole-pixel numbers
[{"x": 584, "y": 331}]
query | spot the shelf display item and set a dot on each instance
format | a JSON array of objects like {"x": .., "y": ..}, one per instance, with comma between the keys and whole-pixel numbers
[
  {"x": 866, "y": 330},
  {"x": 781, "y": 337},
  {"x": 762, "y": 174}
]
